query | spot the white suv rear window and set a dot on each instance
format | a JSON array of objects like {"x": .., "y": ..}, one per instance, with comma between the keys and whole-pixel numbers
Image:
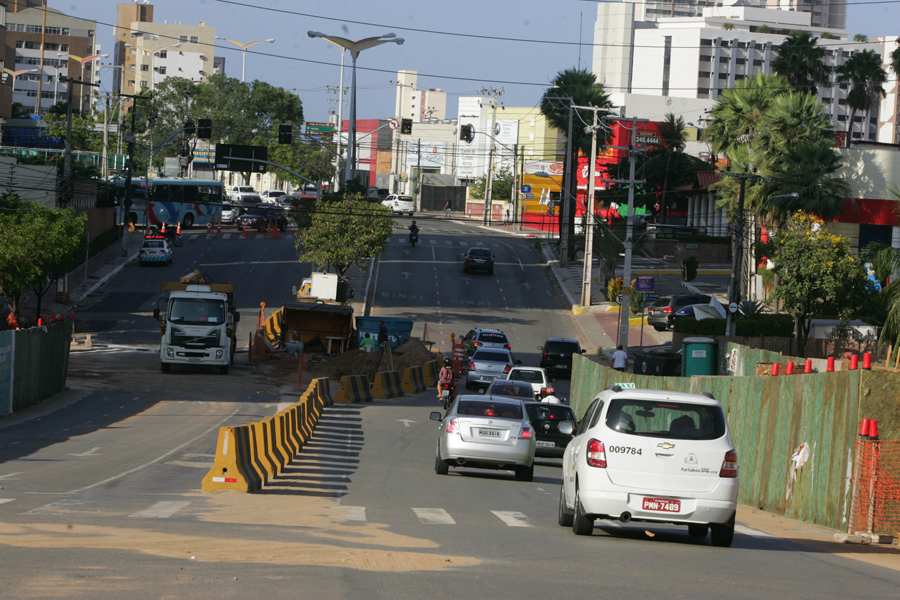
[{"x": 665, "y": 419}]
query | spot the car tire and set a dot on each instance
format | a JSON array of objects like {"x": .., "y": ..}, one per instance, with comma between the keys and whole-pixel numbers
[
  {"x": 566, "y": 516},
  {"x": 223, "y": 370},
  {"x": 723, "y": 533},
  {"x": 697, "y": 530},
  {"x": 525, "y": 473},
  {"x": 440, "y": 466},
  {"x": 581, "y": 523},
  {"x": 165, "y": 367},
  {"x": 659, "y": 327}
]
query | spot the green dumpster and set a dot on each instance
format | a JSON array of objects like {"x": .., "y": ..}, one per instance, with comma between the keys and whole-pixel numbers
[{"x": 699, "y": 356}]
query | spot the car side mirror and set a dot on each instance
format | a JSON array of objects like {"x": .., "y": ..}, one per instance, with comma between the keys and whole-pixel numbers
[
  {"x": 156, "y": 313},
  {"x": 237, "y": 317},
  {"x": 566, "y": 427},
  {"x": 518, "y": 362},
  {"x": 435, "y": 416}
]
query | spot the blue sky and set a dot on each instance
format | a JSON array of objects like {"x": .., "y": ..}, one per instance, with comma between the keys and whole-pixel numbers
[{"x": 458, "y": 65}]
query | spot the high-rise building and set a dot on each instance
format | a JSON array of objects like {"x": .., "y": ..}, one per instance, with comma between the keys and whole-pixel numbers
[
  {"x": 416, "y": 104},
  {"x": 822, "y": 14},
  {"x": 49, "y": 45}
]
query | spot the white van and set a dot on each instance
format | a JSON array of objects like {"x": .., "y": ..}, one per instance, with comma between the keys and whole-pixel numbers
[{"x": 650, "y": 455}]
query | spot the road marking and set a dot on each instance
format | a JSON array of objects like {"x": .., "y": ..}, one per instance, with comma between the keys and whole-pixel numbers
[
  {"x": 260, "y": 236},
  {"x": 226, "y": 236},
  {"x": 433, "y": 241},
  {"x": 354, "y": 513},
  {"x": 495, "y": 245},
  {"x": 160, "y": 510},
  {"x": 5, "y": 500},
  {"x": 91, "y": 452},
  {"x": 10, "y": 475},
  {"x": 406, "y": 421},
  {"x": 513, "y": 518},
  {"x": 448, "y": 242},
  {"x": 60, "y": 508},
  {"x": 434, "y": 516},
  {"x": 480, "y": 243},
  {"x": 194, "y": 237},
  {"x": 196, "y": 465},
  {"x": 463, "y": 244}
]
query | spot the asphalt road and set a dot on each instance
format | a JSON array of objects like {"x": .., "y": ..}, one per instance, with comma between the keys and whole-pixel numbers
[{"x": 100, "y": 498}]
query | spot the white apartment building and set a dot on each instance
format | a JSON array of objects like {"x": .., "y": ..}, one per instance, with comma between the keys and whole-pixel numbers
[
  {"x": 699, "y": 57},
  {"x": 418, "y": 105},
  {"x": 822, "y": 14}
]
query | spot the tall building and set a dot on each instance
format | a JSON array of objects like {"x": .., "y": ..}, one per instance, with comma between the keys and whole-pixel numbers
[
  {"x": 50, "y": 45},
  {"x": 822, "y": 14},
  {"x": 148, "y": 52},
  {"x": 699, "y": 57},
  {"x": 416, "y": 104}
]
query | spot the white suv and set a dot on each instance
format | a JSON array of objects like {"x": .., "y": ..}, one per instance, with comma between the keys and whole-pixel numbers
[
  {"x": 650, "y": 455},
  {"x": 400, "y": 204}
]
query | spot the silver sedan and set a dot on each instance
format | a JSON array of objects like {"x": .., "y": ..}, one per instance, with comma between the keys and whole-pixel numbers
[
  {"x": 488, "y": 364},
  {"x": 486, "y": 433}
]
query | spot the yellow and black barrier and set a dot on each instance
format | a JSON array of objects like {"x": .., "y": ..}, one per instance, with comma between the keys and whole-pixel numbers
[
  {"x": 233, "y": 467},
  {"x": 431, "y": 371},
  {"x": 323, "y": 391},
  {"x": 353, "y": 389},
  {"x": 387, "y": 384},
  {"x": 413, "y": 380}
]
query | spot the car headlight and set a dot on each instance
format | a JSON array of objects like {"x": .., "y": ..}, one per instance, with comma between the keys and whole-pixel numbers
[
  {"x": 170, "y": 352},
  {"x": 219, "y": 353}
]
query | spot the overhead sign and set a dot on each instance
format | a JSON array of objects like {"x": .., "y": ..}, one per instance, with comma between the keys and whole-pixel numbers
[
  {"x": 648, "y": 297},
  {"x": 231, "y": 157},
  {"x": 556, "y": 169},
  {"x": 204, "y": 155},
  {"x": 433, "y": 155},
  {"x": 644, "y": 283}
]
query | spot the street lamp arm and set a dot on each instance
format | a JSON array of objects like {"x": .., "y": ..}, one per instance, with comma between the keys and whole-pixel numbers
[{"x": 793, "y": 195}]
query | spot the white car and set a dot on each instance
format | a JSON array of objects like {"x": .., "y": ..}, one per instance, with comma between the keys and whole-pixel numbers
[
  {"x": 239, "y": 192},
  {"x": 536, "y": 376},
  {"x": 271, "y": 196},
  {"x": 651, "y": 455},
  {"x": 400, "y": 204},
  {"x": 229, "y": 212}
]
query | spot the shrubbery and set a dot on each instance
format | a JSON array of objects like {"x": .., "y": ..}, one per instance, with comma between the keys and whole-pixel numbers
[{"x": 761, "y": 325}]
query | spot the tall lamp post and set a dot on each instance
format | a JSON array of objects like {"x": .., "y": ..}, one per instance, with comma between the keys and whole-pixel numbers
[
  {"x": 83, "y": 62},
  {"x": 355, "y": 48},
  {"x": 244, "y": 48}
]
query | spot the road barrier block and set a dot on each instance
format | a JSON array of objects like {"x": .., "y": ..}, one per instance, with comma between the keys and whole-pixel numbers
[
  {"x": 277, "y": 452},
  {"x": 264, "y": 449},
  {"x": 294, "y": 427},
  {"x": 431, "y": 371},
  {"x": 232, "y": 468},
  {"x": 289, "y": 436},
  {"x": 353, "y": 389},
  {"x": 413, "y": 380},
  {"x": 281, "y": 438},
  {"x": 257, "y": 457},
  {"x": 387, "y": 385},
  {"x": 323, "y": 391}
]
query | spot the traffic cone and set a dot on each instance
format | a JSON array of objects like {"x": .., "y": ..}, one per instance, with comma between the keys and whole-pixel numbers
[
  {"x": 178, "y": 228},
  {"x": 873, "y": 430},
  {"x": 208, "y": 228},
  {"x": 219, "y": 227},
  {"x": 244, "y": 231},
  {"x": 163, "y": 227}
]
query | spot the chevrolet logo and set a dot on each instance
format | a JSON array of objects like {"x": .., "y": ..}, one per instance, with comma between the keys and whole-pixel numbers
[{"x": 665, "y": 446}]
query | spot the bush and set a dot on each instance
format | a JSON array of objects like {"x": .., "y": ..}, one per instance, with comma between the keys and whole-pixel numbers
[
  {"x": 761, "y": 325},
  {"x": 614, "y": 288}
]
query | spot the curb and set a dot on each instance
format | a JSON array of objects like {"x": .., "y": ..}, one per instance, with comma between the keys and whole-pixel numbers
[
  {"x": 553, "y": 263},
  {"x": 104, "y": 279}
]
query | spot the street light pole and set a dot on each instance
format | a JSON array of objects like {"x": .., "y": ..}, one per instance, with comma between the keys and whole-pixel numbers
[
  {"x": 244, "y": 48},
  {"x": 566, "y": 204}
]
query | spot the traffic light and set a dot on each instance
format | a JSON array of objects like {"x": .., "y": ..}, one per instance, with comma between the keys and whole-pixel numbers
[
  {"x": 284, "y": 134},
  {"x": 204, "y": 129},
  {"x": 406, "y": 126},
  {"x": 467, "y": 133},
  {"x": 189, "y": 128}
]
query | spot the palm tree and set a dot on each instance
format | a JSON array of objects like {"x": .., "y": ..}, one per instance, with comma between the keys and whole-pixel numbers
[
  {"x": 738, "y": 111},
  {"x": 790, "y": 119},
  {"x": 673, "y": 137},
  {"x": 866, "y": 76},
  {"x": 579, "y": 87},
  {"x": 802, "y": 62},
  {"x": 895, "y": 61},
  {"x": 811, "y": 170}
]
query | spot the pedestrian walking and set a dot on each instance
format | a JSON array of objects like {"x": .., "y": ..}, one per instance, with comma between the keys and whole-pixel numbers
[
  {"x": 620, "y": 359},
  {"x": 447, "y": 208},
  {"x": 382, "y": 333},
  {"x": 507, "y": 216}
]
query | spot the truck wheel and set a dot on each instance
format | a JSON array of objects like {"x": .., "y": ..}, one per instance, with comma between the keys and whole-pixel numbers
[
  {"x": 165, "y": 367},
  {"x": 223, "y": 370}
]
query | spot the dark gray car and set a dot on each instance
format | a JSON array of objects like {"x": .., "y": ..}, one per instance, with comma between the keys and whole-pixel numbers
[{"x": 662, "y": 312}]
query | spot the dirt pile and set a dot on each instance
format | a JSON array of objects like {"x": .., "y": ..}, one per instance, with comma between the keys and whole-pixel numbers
[
  {"x": 359, "y": 362},
  {"x": 412, "y": 354}
]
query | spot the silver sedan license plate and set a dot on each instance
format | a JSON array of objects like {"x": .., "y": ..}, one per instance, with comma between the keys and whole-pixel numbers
[
  {"x": 491, "y": 433},
  {"x": 546, "y": 444}
]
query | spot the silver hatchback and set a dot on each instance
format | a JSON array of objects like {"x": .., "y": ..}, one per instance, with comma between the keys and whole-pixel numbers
[{"x": 486, "y": 433}]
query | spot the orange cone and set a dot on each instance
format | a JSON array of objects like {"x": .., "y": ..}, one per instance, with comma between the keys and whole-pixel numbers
[
  {"x": 178, "y": 228},
  {"x": 244, "y": 231},
  {"x": 208, "y": 228},
  {"x": 164, "y": 227},
  {"x": 219, "y": 227}
]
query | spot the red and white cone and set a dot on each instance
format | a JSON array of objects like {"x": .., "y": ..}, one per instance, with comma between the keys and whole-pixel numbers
[
  {"x": 163, "y": 227},
  {"x": 208, "y": 228},
  {"x": 178, "y": 228},
  {"x": 219, "y": 227},
  {"x": 244, "y": 231}
]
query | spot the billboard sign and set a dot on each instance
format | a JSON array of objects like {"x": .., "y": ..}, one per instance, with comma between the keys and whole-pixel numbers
[{"x": 433, "y": 155}]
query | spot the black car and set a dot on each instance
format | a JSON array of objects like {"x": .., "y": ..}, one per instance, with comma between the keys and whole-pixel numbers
[
  {"x": 545, "y": 420},
  {"x": 662, "y": 312},
  {"x": 556, "y": 355},
  {"x": 478, "y": 259},
  {"x": 258, "y": 217}
]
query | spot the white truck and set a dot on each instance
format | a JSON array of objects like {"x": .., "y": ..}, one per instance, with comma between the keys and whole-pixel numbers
[{"x": 199, "y": 324}]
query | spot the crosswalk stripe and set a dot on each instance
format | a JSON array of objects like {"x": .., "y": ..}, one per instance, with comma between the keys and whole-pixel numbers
[
  {"x": 513, "y": 518},
  {"x": 433, "y": 241},
  {"x": 260, "y": 236},
  {"x": 5, "y": 500},
  {"x": 480, "y": 243},
  {"x": 463, "y": 244},
  {"x": 495, "y": 245},
  {"x": 354, "y": 513},
  {"x": 434, "y": 516},
  {"x": 211, "y": 236},
  {"x": 226, "y": 236},
  {"x": 448, "y": 242},
  {"x": 160, "y": 510},
  {"x": 195, "y": 236}
]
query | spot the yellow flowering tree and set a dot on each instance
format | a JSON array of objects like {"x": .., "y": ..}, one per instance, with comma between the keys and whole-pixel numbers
[{"x": 818, "y": 277}]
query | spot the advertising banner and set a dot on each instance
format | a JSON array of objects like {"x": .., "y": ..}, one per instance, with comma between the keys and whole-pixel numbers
[{"x": 433, "y": 155}]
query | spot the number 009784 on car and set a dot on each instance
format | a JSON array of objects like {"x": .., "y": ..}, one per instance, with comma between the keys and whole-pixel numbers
[{"x": 625, "y": 450}]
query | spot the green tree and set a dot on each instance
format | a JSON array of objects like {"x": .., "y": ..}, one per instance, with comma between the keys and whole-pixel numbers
[
  {"x": 866, "y": 76},
  {"x": 344, "y": 232},
  {"x": 827, "y": 35},
  {"x": 673, "y": 137},
  {"x": 310, "y": 161},
  {"x": 817, "y": 274},
  {"x": 84, "y": 137},
  {"x": 578, "y": 87},
  {"x": 501, "y": 185},
  {"x": 763, "y": 29},
  {"x": 810, "y": 169},
  {"x": 860, "y": 37},
  {"x": 727, "y": 26},
  {"x": 737, "y": 113},
  {"x": 802, "y": 61},
  {"x": 37, "y": 244}
]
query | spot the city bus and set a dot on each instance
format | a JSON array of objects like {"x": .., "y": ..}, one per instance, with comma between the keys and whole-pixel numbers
[{"x": 171, "y": 201}]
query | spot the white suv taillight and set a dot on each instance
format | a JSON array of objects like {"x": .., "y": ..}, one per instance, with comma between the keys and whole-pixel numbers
[
  {"x": 596, "y": 454},
  {"x": 453, "y": 426},
  {"x": 526, "y": 433},
  {"x": 729, "y": 465},
  {"x": 506, "y": 369}
]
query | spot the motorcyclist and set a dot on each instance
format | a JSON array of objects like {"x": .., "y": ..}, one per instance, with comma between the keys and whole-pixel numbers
[
  {"x": 445, "y": 377},
  {"x": 549, "y": 396},
  {"x": 413, "y": 229}
]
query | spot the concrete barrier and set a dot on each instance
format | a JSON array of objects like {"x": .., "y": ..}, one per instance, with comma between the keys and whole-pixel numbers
[
  {"x": 387, "y": 385},
  {"x": 413, "y": 380},
  {"x": 264, "y": 449},
  {"x": 294, "y": 416},
  {"x": 353, "y": 389},
  {"x": 290, "y": 438},
  {"x": 323, "y": 391},
  {"x": 232, "y": 468},
  {"x": 431, "y": 371},
  {"x": 277, "y": 452},
  {"x": 257, "y": 454},
  {"x": 281, "y": 440}
]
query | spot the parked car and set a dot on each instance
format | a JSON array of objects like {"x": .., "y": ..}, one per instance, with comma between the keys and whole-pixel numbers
[
  {"x": 478, "y": 259},
  {"x": 510, "y": 389},
  {"x": 271, "y": 196},
  {"x": 238, "y": 193},
  {"x": 487, "y": 365},
  {"x": 377, "y": 194},
  {"x": 534, "y": 376},
  {"x": 155, "y": 250},
  {"x": 484, "y": 338},
  {"x": 661, "y": 314},
  {"x": 651, "y": 455},
  {"x": 485, "y": 433},
  {"x": 400, "y": 204},
  {"x": 556, "y": 355},
  {"x": 230, "y": 211},
  {"x": 545, "y": 420},
  {"x": 258, "y": 217}
]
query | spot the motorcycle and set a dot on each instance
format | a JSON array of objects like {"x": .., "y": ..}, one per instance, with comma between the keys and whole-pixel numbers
[
  {"x": 448, "y": 393},
  {"x": 413, "y": 238},
  {"x": 170, "y": 234}
]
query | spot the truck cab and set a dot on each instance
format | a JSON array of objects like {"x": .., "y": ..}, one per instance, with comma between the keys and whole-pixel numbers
[{"x": 198, "y": 325}]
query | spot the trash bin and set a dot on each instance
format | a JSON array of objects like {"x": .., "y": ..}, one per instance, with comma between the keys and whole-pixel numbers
[
  {"x": 699, "y": 356},
  {"x": 658, "y": 364},
  {"x": 399, "y": 330}
]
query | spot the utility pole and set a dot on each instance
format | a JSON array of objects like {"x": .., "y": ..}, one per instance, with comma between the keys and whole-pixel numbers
[
  {"x": 490, "y": 171},
  {"x": 566, "y": 201},
  {"x": 418, "y": 175},
  {"x": 514, "y": 192},
  {"x": 340, "y": 111},
  {"x": 589, "y": 222},
  {"x": 737, "y": 266},
  {"x": 67, "y": 169},
  {"x": 104, "y": 156}
]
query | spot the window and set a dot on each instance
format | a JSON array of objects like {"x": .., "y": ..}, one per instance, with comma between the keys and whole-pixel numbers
[
  {"x": 143, "y": 83},
  {"x": 161, "y": 70},
  {"x": 842, "y": 102},
  {"x": 739, "y": 77},
  {"x": 65, "y": 31},
  {"x": 724, "y": 44},
  {"x": 724, "y": 60},
  {"x": 163, "y": 54},
  {"x": 703, "y": 91},
  {"x": 532, "y": 122},
  {"x": 134, "y": 35},
  {"x": 19, "y": 43},
  {"x": 131, "y": 68},
  {"x": 131, "y": 83},
  {"x": 58, "y": 31},
  {"x": 706, "y": 42},
  {"x": 51, "y": 47},
  {"x": 723, "y": 75},
  {"x": 704, "y": 74},
  {"x": 843, "y": 86},
  {"x": 671, "y": 420},
  {"x": 759, "y": 46},
  {"x": 145, "y": 68},
  {"x": 757, "y": 62},
  {"x": 706, "y": 59},
  {"x": 842, "y": 117},
  {"x": 195, "y": 39},
  {"x": 32, "y": 29},
  {"x": 740, "y": 61},
  {"x": 63, "y": 47},
  {"x": 183, "y": 39},
  {"x": 32, "y": 45}
]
